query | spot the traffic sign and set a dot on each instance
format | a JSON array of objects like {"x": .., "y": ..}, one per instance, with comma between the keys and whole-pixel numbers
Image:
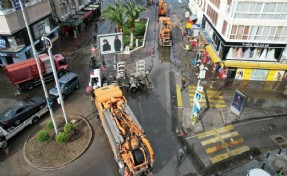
[
  {"x": 197, "y": 96},
  {"x": 199, "y": 88}
]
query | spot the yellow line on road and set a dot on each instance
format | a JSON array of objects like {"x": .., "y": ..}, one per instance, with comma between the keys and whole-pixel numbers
[
  {"x": 218, "y": 106},
  {"x": 178, "y": 95},
  {"x": 217, "y": 139},
  {"x": 213, "y": 132},
  {"x": 216, "y": 101},
  {"x": 223, "y": 156}
]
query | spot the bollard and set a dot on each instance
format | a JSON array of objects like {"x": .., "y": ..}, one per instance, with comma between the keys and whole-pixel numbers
[
  {"x": 263, "y": 165},
  {"x": 280, "y": 150},
  {"x": 268, "y": 154}
]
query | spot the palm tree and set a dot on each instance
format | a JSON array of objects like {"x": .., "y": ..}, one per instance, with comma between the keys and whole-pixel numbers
[
  {"x": 116, "y": 14},
  {"x": 132, "y": 12}
]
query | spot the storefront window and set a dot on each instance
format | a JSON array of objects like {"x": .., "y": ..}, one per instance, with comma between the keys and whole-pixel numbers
[
  {"x": 39, "y": 29},
  {"x": 19, "y": 39}
]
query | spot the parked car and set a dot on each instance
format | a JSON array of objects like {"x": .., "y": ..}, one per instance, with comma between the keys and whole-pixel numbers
[
  {"x": 21, "y": 111},
  {"x": 68, "y": 83}
]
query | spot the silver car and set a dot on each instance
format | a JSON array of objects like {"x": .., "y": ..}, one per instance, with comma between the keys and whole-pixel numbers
[{"x": 68, "y": 83}]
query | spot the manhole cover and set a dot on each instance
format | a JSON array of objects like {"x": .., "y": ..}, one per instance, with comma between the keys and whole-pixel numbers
[{"x": 279, "y": 140}]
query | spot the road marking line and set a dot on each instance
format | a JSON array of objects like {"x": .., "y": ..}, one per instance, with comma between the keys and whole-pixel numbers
[
  {"x": 213, "y": 132},
  {"x": 218, "y": 106},
  {"x": 178, "y": 95},
  {"x": 216, "y": 101},
  {"x": 217, "y": 139},
  {"x": 228, "y": 154},
  {"x": 223, "y": 146},
  {"x": 244, "y": 123}
]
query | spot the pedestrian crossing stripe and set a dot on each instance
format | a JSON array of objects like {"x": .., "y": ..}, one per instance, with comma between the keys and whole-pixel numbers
[
  {"x": 215, "y": 131},
  {"x": 228, "y": 154},
  {"x": 211, "y": 100},
  {"x": 223, "y": 146},
  {"x": 218, "y": 139},
  {"x": 215, "y": 97},
  {"x": 212, "y": 105}
]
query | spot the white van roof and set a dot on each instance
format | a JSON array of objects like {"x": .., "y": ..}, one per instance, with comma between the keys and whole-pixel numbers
[{"x": 257, "y": 172}]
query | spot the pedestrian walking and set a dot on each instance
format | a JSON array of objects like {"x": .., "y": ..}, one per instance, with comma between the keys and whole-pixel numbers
[
  {"x": 183, "y": 84},
  {"x": 180, "y": 155},
  {"x": 4, "y": 145}
]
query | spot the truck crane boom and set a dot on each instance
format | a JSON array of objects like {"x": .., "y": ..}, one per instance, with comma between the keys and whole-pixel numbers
[{"x": 132, "y": 150}]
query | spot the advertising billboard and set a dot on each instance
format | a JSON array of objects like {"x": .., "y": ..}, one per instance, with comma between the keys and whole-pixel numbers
[
  {"x": 237, "y": 102},
  {"x": 110, "y": 43}
]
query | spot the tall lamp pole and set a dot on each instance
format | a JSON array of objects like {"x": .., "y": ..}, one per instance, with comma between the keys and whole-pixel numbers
[
  {"x": 56, "y": 76},
  {"x": 39, "y": 68}
]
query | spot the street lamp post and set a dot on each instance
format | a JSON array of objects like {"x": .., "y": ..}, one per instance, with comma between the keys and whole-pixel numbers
[
  {"x": 39, "y": 68},
  {"x": 56, "y": 76}
]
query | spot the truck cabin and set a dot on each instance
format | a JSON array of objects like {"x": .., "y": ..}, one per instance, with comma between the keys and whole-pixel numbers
[{"x": 60, "y": 62}]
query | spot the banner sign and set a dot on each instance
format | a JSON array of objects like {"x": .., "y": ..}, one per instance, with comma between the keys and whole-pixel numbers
[
  {"x": 237, "y": 103},
  {"x": 2, "y": 43},
  {"x": 17, "y": 4},
  {"x": 110, "y": 43}
]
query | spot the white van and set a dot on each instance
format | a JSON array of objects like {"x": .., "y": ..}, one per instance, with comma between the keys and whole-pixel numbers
[{"x": 257, "y": 172}]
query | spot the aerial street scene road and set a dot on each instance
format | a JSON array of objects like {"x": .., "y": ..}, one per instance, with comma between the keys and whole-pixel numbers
[{"x": 143, "y": 87}]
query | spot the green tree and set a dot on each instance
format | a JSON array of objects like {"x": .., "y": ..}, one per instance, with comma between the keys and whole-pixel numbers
[
  {"x": 132, "y": 12},
  {"x": 116, "y": 14}
]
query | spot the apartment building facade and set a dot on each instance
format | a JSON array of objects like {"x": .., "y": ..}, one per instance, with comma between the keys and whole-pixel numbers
[
  {"x": 15, "y": 45},
  {"x": 50, "y": 18},
  {"x": 249, "y": 37}
]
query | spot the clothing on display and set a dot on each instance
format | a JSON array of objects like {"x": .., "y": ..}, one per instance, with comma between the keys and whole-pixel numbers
[
  {"x": 229, "y": 54},
  {"x": 270, "y": 54},
  {"x": 234, "y": 52},
  {"x": 256, "y": 53},
  {"x": 239, "y": 54},
  {"x": 263, "y": 54},
  {"x": 247, "y": 53}
]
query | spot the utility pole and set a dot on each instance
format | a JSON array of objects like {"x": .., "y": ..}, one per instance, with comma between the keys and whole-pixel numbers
[
  {"x": 56, "y": 77},
  {"x": 39, "y": 68}
]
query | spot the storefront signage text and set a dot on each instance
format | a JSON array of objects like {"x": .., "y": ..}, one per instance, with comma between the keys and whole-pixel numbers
[{"x": 261, "y": 45}]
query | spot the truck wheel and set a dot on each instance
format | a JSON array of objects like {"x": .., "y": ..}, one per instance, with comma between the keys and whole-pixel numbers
[
  {"x": 29, "y": 86},
  {"x": 134, "y": 89},
  {"x": 17, "y": 122},
  {"x": 35, "y": 119}
]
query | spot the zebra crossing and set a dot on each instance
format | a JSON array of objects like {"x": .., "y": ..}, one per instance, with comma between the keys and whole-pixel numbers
[
  {"x": 215, "y": 98},
  {"x": 222, "y": 143}
]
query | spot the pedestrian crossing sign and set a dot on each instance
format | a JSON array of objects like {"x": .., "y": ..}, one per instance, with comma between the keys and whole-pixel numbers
[{"x": 197, "y": 96}]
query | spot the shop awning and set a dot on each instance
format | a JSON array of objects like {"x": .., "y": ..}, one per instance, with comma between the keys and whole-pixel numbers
[
  {"x": 257, "y": 65},
  {"x": 85, "y": 14},
  {"x": 73, "y": 21},
  {"x": 94, "y": 6},
  {"x": 213, "y": 56},
  {"x": 88, "y": 8}
]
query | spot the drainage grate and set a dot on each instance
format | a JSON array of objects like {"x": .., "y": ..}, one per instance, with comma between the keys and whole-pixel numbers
[{"x": 279, "y": 140}]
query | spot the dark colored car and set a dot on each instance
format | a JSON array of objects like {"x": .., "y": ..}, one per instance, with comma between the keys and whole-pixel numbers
[{"x": 15, "y": 115}]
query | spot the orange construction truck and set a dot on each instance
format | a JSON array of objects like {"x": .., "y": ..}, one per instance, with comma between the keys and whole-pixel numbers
[{"x": 132, "y": 150}]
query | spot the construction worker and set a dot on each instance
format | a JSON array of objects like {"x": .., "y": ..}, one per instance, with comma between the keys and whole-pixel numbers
[{"x": 183, "y": 84}]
